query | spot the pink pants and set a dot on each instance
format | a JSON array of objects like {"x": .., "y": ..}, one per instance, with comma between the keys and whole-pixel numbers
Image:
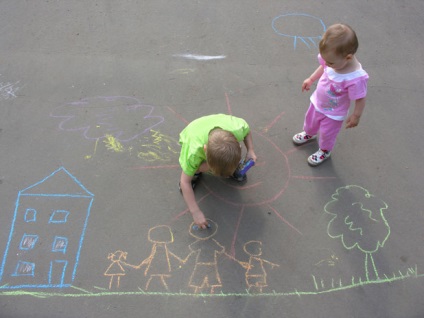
[{"x": 326, "y": 128}]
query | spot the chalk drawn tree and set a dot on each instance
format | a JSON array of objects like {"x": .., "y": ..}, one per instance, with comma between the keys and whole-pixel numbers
[{"x": 358, "y": 221}]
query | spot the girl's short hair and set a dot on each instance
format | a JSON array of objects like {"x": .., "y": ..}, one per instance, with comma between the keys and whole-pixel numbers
[
  {"x": 340, "y": 38},
  {"x": 223, "y": 152}
]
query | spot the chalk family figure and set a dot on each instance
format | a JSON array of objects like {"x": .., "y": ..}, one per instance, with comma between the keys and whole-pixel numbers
[{"x": 205, "y": 249}]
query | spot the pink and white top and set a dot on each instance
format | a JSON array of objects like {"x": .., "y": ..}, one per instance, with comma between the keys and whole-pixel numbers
[{"x": 335, "y": 91}]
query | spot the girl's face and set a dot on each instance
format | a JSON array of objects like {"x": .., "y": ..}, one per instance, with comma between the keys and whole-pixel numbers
[{"x": 336, "y": 62}]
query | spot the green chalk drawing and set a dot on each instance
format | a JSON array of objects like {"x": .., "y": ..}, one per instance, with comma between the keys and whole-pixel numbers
[
  {"x": 85, "y": 293},
  {"x": 358, "y": 221},
  {"x": 410, "y": 273}
]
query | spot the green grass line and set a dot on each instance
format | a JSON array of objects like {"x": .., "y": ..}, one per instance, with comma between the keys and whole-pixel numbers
[{"x": 85, "y": 293}]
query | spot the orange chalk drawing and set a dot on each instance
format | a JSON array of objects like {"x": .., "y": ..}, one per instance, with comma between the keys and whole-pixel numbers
[
  {"x": 116, "y": 268},
  {"x": 205, "y": 278},
  {"x": 205, "y": 273},
  {"x": 158, "y": 263},
  {"x": 256, "y": 275}
]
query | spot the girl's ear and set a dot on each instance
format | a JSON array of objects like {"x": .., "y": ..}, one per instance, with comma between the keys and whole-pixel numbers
[
  {"x": 349, "y": 57},
  {"x": 204, "y": 148}
]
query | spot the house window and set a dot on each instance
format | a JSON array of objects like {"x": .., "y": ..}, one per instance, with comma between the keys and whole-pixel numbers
[
  {"x": 59, "y": 216},
  {"x": 60, "y": 244},
  {"x": 30, "y": 215},
  {"x": 28, "y": 242},
  {"x": 24, "y": 269}
]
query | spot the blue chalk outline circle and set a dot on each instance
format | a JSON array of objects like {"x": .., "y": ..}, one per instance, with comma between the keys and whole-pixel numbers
[{"x": 296, "y": 37}]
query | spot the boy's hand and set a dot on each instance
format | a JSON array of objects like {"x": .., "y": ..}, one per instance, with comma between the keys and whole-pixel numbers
[
  {"x": 352, "y": 121},
  {"x": 307, "y": 83},
  {"x": 188, "y": 194},
  {"x": 199, "y": 219},
  {"x": 251, "y": 155}
]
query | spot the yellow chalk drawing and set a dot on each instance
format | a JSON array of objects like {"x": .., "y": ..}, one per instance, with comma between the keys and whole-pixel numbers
[
  {"x": 158, "y": 263},
  {"x": 158, "y": 147},
  {"x": 329, "y": 261},
  {"x": 256, "y": 275},
  {"x": 112, "y": 143},
  {"x": 149, "y": 155},
  {"x": 95, "y": 149},
  {"x": 183, "y": 71},
  {"x": 116, "y": 268}
]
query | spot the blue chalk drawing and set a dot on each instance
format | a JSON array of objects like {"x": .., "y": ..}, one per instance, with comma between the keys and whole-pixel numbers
[
  {"x": 59, "y": 216},
  {"x": 30, "y": 215},
  {"x": 285, "y": 23},
  {"x": 47, "y": 233},
  {"x": 28, "y": 242},
  {"x": 60, "y": 244}
]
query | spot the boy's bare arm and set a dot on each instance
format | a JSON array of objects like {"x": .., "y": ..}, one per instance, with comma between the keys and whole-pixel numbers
[
  {"x": 188, "y": 195},
  {"x": 248, "y": 142}
]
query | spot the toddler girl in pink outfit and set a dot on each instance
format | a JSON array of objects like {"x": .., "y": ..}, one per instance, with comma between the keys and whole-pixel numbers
[{"x": 341, "y": 80}]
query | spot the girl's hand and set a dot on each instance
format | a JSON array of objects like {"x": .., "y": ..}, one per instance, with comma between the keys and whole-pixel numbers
[
  {"x": 307, "y": 83},
  {"x": 352, "y": 121}
]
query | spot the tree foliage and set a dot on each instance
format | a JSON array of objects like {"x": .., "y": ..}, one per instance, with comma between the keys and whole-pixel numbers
[{"x": 357, "y": 219}]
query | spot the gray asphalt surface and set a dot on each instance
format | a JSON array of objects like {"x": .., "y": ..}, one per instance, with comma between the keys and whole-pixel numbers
[{"x": 93, "y": 95}]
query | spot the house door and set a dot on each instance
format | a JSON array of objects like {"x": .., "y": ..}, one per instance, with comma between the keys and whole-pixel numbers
[{"x": 57, "y": 272}]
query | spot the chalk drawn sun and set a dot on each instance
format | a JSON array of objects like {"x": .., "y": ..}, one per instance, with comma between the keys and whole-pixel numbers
[{"x": 267, "y": 181}]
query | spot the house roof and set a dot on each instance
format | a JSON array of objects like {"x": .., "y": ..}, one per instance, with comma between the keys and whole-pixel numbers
[{"x": 59, "y": 183}]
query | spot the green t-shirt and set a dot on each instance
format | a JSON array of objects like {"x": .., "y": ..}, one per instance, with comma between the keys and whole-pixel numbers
[{"x": 195, "y": 136}]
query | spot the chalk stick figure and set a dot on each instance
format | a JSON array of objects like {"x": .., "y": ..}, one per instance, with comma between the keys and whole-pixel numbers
[
  {"x": 116, "y": 268},
  {"x": 158, "y": 263},
  {"x": 256, "y": 276},
  {"x": 205, "y": 273}
]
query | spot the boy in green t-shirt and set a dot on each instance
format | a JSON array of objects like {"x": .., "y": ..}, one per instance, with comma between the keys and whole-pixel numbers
[{"x": 211, "y": 143}]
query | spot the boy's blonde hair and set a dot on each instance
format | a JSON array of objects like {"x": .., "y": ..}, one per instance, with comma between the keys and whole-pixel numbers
[
  {"x": 223, "y": 152},
  {"x": 340, "y": 38}
]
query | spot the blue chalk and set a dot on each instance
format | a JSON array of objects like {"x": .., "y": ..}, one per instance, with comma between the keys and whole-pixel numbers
[
  {"x": 196, "y": 227},
  {"x": 246, "y": 166},
  {"x": 240, "y": 173}
]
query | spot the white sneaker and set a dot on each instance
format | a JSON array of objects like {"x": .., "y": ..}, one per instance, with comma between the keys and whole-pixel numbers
[
  {"x": 302, "y": 138},
  {"x": 318, "y": 157}
]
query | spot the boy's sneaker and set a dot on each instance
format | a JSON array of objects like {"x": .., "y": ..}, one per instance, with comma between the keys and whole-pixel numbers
[
  {"x": 302, "y": 138},
  {"x": 196, "y": 178},
  {"x": 318, "y": 157}
]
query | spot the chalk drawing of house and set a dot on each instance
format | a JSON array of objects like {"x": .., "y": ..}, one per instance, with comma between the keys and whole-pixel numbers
[{"x": 47, "y": 233}]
